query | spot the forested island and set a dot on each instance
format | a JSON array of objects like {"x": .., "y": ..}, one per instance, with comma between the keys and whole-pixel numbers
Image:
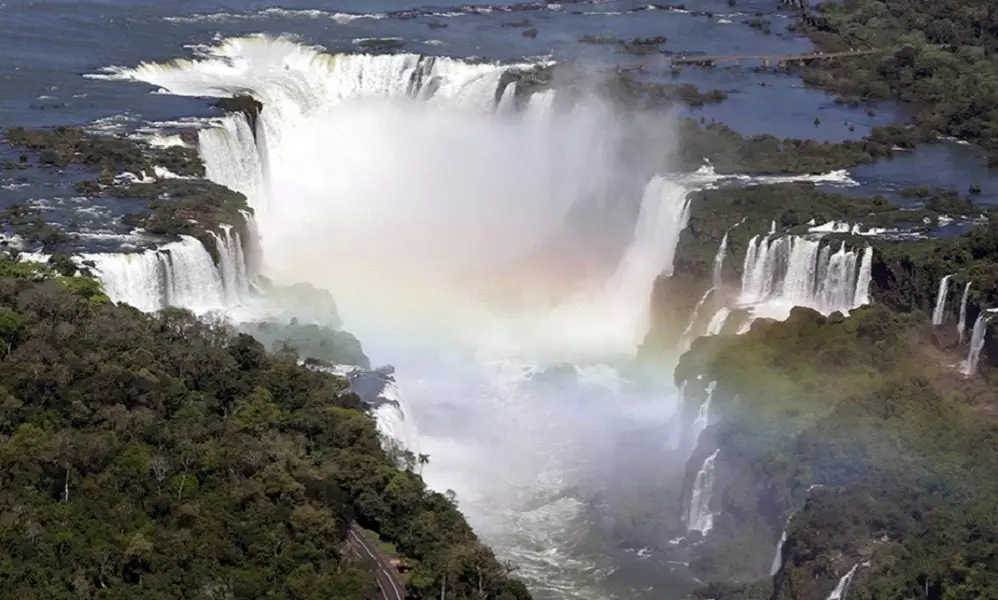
[{"x": 937, "y": 56}]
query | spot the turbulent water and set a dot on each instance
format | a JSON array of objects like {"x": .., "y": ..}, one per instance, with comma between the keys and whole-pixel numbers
[
  {"x": 499, "y": 249},
  {"x": 415, "y": 191},
  {"x": 786, "y": 271}
]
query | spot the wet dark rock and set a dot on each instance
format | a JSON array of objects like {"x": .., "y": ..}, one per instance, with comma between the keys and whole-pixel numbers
[
  {"x": 187, "y": 207},
  {"x": 88, "y": 187},
  {"x": 28, "y": 223},
  {"x": 63, "y": 146},
  {"x": 601, "y": 40},
  {"x": 530, "y": 33},
  {"x": 246, "y": 105},
  {"x": 945, "y": 336}
]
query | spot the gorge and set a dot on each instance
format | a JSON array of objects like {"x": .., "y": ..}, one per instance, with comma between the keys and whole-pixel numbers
[{"x": 635, "y": 378}]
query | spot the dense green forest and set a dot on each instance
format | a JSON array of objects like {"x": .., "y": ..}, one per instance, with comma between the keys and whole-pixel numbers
[
  {"x": 904, "y": 448},
  {"x": 161, "y": 456},
  {"x": 940, "y": 56}
]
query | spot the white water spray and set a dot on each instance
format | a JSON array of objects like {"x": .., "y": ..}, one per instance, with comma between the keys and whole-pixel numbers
[
  {"x": 782, "y": 272},
  {"x": 703, "y": 415},
  {"x": 961, "y": 326},
  {"x": 778, "y": 557},
  {"x": 719, "y": 262},
  {"x": 842, "y": 588},
  {"x": 700, "y": 517},
  {"x": 178, "y": 274},
  {"x": 977, "y": 337},
  {"x": 939, "y": 312},
  {"x": 394, "y": 182}
]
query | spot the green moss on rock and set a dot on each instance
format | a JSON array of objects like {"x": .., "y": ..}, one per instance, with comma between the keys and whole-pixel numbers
[
  {"x": 895, "y": 434},
  {"x": 63, "y": 146}
]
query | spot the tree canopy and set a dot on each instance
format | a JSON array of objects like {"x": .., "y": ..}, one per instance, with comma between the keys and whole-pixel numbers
[{"x": 163, "y": 456}]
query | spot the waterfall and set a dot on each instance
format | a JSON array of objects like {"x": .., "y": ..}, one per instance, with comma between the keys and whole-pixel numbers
[
  {"x": 703, "y": 414},
  {"x": 700, "y": 518},
  {"x": 839, "y": 593},
  {"x": 687, "y": 338},
  {"x": 664, "y": 213},
  {"x": 230, "y": 157},
  {"x": 177, "y": 274},
  {"x": 378, "y": 389},
  {"x": 254, "y": 255},
  {"x": 939, "y": 311},
  {"x": 717, "y": 322},
  {"x": 778, "y": 557},
  {"x": 969, "y": 367},
  {"x": 787, "y": 271},
  {"x": 961, "y": 327},
  {"x": 863, "y": 280},
  {"x": 232, "y": 261},
  {"x": 359, "y": 181},
  {"x": 719, "y": 261}
]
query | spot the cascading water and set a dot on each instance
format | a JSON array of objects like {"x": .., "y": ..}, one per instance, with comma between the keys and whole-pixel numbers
[
  {"x": 177, "y": 274},
  {"x": 687, "y": 337},
  {"x": 864, "y": 279},
  {"x": 703, "y": 415},
  {"x": 719, "y": 262},
  {"x": 253, "y": 254},
  {"x": 782, "y": 272},
  {"x": 977, "y": 336},
  {"x": 394, "y": 182},
  {"x": 716, "y": 321},
  {"x": 228, "y": 162},
  {"x": 778, "y": 556},
  {"x": 229, "y": 246},
  {"x": 700, "y": 518},
  {"x": 961, "y": 326},
  {"x": 842, "y": 588},
  {"x": 939, "y": 312}
]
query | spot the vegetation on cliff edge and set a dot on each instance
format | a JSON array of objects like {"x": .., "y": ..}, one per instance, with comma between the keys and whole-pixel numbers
[
  {"x": 939, "y": 56},
  {"x": 165, "y": 457},
  {"x": 902, "y": 444}
]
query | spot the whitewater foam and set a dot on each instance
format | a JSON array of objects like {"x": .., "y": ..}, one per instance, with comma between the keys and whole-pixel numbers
[{"x": 400, "y": 183}]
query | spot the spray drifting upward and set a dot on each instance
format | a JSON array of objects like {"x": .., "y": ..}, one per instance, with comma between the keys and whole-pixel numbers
[
  {"x": 378, "y": 175},
  {"x": 402, "y": 184}
]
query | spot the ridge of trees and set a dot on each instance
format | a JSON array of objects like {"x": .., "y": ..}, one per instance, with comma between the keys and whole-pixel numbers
[{"x": 164, "y": 456}]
